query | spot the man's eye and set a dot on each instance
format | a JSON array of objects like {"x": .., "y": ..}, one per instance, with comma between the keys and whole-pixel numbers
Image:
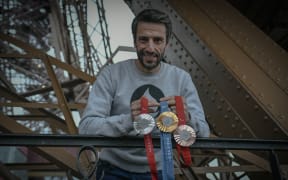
[
  {"x": 158, "y": 40},
  {"x": 143, "y": 39}
]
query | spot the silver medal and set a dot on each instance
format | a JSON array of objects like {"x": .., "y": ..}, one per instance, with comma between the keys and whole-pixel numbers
[{"x": 144, "y": 124}]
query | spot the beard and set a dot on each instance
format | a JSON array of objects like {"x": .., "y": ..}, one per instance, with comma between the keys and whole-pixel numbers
[{"x": 149, "y": 64}]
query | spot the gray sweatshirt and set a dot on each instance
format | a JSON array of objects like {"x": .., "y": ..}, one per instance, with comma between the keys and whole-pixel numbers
[{"x": 108, "y": 113}]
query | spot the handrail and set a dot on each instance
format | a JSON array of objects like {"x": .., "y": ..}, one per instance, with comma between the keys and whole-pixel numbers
[
  {"x": 133, "y": 142},
  {"x": 43, "y": 140}
]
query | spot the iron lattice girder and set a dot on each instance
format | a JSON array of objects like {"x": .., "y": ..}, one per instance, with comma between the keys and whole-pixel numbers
[
  {"x": 136, "y": 142},
  {"x": 238, "y": 93}
]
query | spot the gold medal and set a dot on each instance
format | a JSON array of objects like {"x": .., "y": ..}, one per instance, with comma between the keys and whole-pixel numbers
[
  {"x": 144, "y": 124},
  {"x": 167, "y": 121},
  {"x": 185, "y": 135}
]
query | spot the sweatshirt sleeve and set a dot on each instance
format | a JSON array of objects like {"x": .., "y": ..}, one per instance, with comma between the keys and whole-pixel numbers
[
  {"x": 96, "y": 118},
  {"x": 197, "y": 116}
]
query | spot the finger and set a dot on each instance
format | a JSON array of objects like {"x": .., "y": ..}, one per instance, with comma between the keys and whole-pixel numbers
[
  {"x": 135, "y": 113},
  {"x": 169, "y": 99},
  {"x": 153, "y": 104},
  {"x": 173, "y": 109}
]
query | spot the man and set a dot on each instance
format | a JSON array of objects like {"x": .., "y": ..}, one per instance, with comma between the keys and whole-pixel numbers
[{"x": 114, "y": 100}]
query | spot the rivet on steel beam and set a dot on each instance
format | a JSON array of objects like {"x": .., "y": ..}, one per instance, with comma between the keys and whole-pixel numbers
[
  {"x": 281, "y": 116},
  {"x": 238, "y": 87},
  {"x": 213, "y": 99},
  {"x": 247, "y": 97},
  {"x": 226, "y": 116},
  {"x": 219, "y": 108},
  {"x": 270, "y": 106},
  {"x": 256, "y": 107},
  {"x": 244, "y": 129},
  {"x": 233, "y": 126},
  {"x": 261, "y": 95},
  {"x": 236, "y": 118},
  {"x": 275, "y": 130},
  {"x": 266, "y": 118},
  {"x": 228, "y": 109},
  {"x": 222, "y": 100}
]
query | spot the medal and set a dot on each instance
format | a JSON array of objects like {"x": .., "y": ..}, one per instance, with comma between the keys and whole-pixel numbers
[
  {"x": 184, "y": 135},
  {"x": 167, "y": 121},
  {"x": 144, "y": 124}
]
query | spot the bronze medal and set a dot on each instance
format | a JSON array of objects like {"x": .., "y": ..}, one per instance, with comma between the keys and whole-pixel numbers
[
  {"x": 144, "y": 124},
  {"x": 185, "y": 135},
  {"x": 167, "y": 121}
]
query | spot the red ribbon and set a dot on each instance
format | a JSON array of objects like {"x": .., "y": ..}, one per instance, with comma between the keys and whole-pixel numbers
[
  {"x": 148, "y": 143},
  {"x": 184, "y": 151}
]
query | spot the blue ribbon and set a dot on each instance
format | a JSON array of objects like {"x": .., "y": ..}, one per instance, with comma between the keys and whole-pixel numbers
[{"x": 166, "y": 149}]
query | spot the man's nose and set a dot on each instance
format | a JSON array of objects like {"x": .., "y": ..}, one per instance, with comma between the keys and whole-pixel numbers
[{"x": 151, "y": 45}]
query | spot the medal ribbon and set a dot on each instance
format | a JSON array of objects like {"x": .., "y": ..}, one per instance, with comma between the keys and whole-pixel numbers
[
  {"x": 166, "y": 149},
  {"x": 184, "y": 151},
  {"x": 148, "y": 143}
]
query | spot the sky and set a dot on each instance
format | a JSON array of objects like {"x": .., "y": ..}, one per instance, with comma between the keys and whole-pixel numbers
[{"x": 119, "y": 18}]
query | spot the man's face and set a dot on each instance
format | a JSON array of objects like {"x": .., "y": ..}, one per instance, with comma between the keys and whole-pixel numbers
[{"x": 150, "y": 44}]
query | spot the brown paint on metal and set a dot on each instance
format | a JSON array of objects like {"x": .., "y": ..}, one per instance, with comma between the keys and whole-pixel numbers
[
  {"x": 35, "y": 53},
  {"x": 267, "y": 93},
  {"x": 60, "y": 156}
]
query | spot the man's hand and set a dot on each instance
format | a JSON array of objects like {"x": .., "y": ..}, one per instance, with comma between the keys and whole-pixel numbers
[
  {"x": 172, "y": 105},
  {"x": 136, "y": 107}
]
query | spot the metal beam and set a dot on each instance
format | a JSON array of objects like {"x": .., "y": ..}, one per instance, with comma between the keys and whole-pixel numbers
[
  {"x": 242, "y": 48},
  {"x": 58, "y": 155},
  {"x": 31, "y": 140}
]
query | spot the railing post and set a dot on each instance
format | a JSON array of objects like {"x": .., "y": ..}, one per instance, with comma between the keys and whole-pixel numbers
[{"x": 274, "y": 163}]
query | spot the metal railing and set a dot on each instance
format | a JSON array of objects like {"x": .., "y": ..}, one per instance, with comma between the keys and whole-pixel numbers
[{"x": 32, "y": 140}]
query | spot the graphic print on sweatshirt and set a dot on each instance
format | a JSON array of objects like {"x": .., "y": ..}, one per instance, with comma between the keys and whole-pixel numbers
[{"x": 151, "y": 92}]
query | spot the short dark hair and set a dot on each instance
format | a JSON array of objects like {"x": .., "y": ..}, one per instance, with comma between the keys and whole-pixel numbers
[{"x": 152, "y": 16}]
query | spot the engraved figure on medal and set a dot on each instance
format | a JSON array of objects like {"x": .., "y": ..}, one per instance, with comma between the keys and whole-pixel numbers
[
  {"x": 167, "y": 121},
  {"x": 185, "y": 135},
  {"x": 144, "y": 124}
]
